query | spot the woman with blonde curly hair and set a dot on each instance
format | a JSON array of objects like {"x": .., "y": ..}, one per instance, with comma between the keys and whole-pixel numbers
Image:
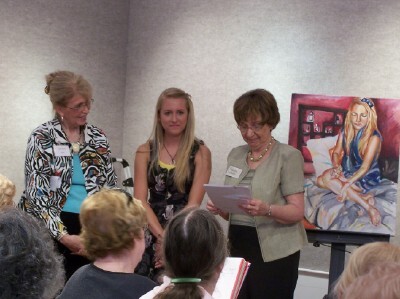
[
  {"x": 355, "y": 170},
  {"x": 382, "y": 281},
  {"x": 7, "y": 191},
  {"x": 112, "y": 234},
  {"x": 362, "y": 260}
]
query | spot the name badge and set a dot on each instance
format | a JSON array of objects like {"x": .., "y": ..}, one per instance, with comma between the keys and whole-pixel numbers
[
  {"x": 233, "y": 172},
  {"x": 61, "y": 150},
  {"x": 55, "y": 182}
]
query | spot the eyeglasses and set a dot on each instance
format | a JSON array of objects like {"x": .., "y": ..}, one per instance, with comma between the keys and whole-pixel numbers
[
  {"x": 257, "y": 127},
  {"x": 82, "y": 106}
]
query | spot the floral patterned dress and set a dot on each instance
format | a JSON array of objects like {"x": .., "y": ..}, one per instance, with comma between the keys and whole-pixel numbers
[{"x": 166, "y": 201}]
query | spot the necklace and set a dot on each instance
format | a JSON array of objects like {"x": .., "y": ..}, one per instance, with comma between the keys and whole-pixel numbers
[
  {"x": 172, "y": 157},
  {"x": 250, "y": 154},
  {"x": 76, "y": 146}
]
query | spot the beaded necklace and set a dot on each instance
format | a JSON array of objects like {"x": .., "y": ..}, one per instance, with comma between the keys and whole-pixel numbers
[{"x": 262, "y": 154}]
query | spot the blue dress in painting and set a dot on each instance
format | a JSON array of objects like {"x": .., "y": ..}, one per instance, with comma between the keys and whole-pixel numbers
[{"x": 352, "y": 162}]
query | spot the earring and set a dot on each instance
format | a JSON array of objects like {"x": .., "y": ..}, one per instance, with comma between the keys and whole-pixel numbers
[{"x": 62, "y": 118}]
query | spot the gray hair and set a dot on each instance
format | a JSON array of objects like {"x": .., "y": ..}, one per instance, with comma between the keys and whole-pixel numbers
[{"x": 30, "y": 266}]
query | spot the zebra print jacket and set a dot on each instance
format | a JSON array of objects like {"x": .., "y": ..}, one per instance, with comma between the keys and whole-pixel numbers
[{"x": 43, "y": 198}]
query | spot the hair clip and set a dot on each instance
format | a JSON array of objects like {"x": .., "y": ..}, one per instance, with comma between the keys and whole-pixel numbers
[
  {"x": 129, "y": 197},
  {"x": 367, "y": 101},
  {"x": 47, "y": 89},
  {"x": 185, "y": 280}
]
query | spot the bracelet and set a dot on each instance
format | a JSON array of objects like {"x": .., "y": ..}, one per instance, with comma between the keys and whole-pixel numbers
[
  {"x": 62, "y": 234},
  {"x": 269, "y": 213}
]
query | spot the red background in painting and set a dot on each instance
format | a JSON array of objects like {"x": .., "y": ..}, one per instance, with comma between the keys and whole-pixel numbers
[{"x": 388, "y": 111}]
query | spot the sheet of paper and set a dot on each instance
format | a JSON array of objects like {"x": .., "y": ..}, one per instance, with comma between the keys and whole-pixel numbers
[{"x": 228, "y": 198}]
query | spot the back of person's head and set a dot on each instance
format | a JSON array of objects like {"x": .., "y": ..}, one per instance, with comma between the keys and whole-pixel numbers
[
  {"x": 381, "y": 282},
  {"x": 62, "y": 86},
  {"x": 7, "y": 191},
  {"x": 111, "y": 219},
  {"x": 194, "y": 247},
  {"x": 30, "y": 266},
  {"x": 257, "y": 102},
  {"x": 363, "y": 259}
]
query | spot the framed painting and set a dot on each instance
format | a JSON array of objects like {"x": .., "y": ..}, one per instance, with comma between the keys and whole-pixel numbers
[{"x": 350, "y": 147}]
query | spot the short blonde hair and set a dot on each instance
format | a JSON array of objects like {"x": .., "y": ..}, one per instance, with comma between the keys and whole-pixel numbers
[
  {"x": 382, "y": 281},
  {"x": 363, "y": 259},
  {"x": 111, "y": 219},
  {"x": 7, "y": 191}
]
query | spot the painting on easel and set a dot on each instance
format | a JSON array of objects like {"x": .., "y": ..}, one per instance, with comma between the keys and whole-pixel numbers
[{"x": 350, "y": 147}]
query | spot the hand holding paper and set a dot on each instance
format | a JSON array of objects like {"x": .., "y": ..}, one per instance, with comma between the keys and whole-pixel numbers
[{"x": 228, "y": 198}]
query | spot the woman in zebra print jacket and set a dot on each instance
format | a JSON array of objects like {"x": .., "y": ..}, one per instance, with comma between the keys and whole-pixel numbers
[{"x": 66, "y": 160}]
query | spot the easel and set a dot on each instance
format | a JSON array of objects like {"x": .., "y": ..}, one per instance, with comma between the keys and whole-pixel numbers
[{"x": 338, "y": 241}]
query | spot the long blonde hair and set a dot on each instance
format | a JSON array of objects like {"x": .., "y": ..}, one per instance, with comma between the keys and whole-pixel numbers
[
  {"x": 182, "y": 171},
  {"x": 369, "y": 129}
]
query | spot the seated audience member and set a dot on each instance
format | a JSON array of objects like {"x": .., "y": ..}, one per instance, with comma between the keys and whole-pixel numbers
[
  {"x": 112, "y": 234},
  {"x": 194, "y": 251},
  {"x": 362, "y": 260},
  {"x": 381, "y": 282},
  {"x": 7, "y": 191},
  {"x": 30, "y": 265}
]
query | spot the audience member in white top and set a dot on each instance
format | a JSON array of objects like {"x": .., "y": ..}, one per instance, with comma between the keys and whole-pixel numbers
[{"x": 194, "y": 251}]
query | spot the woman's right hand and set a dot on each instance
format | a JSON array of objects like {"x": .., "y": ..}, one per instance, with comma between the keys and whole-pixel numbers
[{"x": 73, "y": 243}]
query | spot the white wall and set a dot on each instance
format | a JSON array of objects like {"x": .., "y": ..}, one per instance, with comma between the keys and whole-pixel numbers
[
  {"x": 40, "y": 36},
  {"x": 216, "y": 50}
]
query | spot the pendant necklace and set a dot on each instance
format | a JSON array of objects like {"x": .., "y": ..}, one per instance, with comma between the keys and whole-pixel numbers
[
  {"x": 172, "y": 157},
  {"x": 76, "y": 146},
  {"x": 262, "y": 154}
]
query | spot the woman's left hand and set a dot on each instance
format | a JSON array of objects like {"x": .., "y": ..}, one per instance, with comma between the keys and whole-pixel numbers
[
  {"x": 255, "y": 207},
  {"x": 74, "y": 244},
  {"x": 158, "y": 257}
]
